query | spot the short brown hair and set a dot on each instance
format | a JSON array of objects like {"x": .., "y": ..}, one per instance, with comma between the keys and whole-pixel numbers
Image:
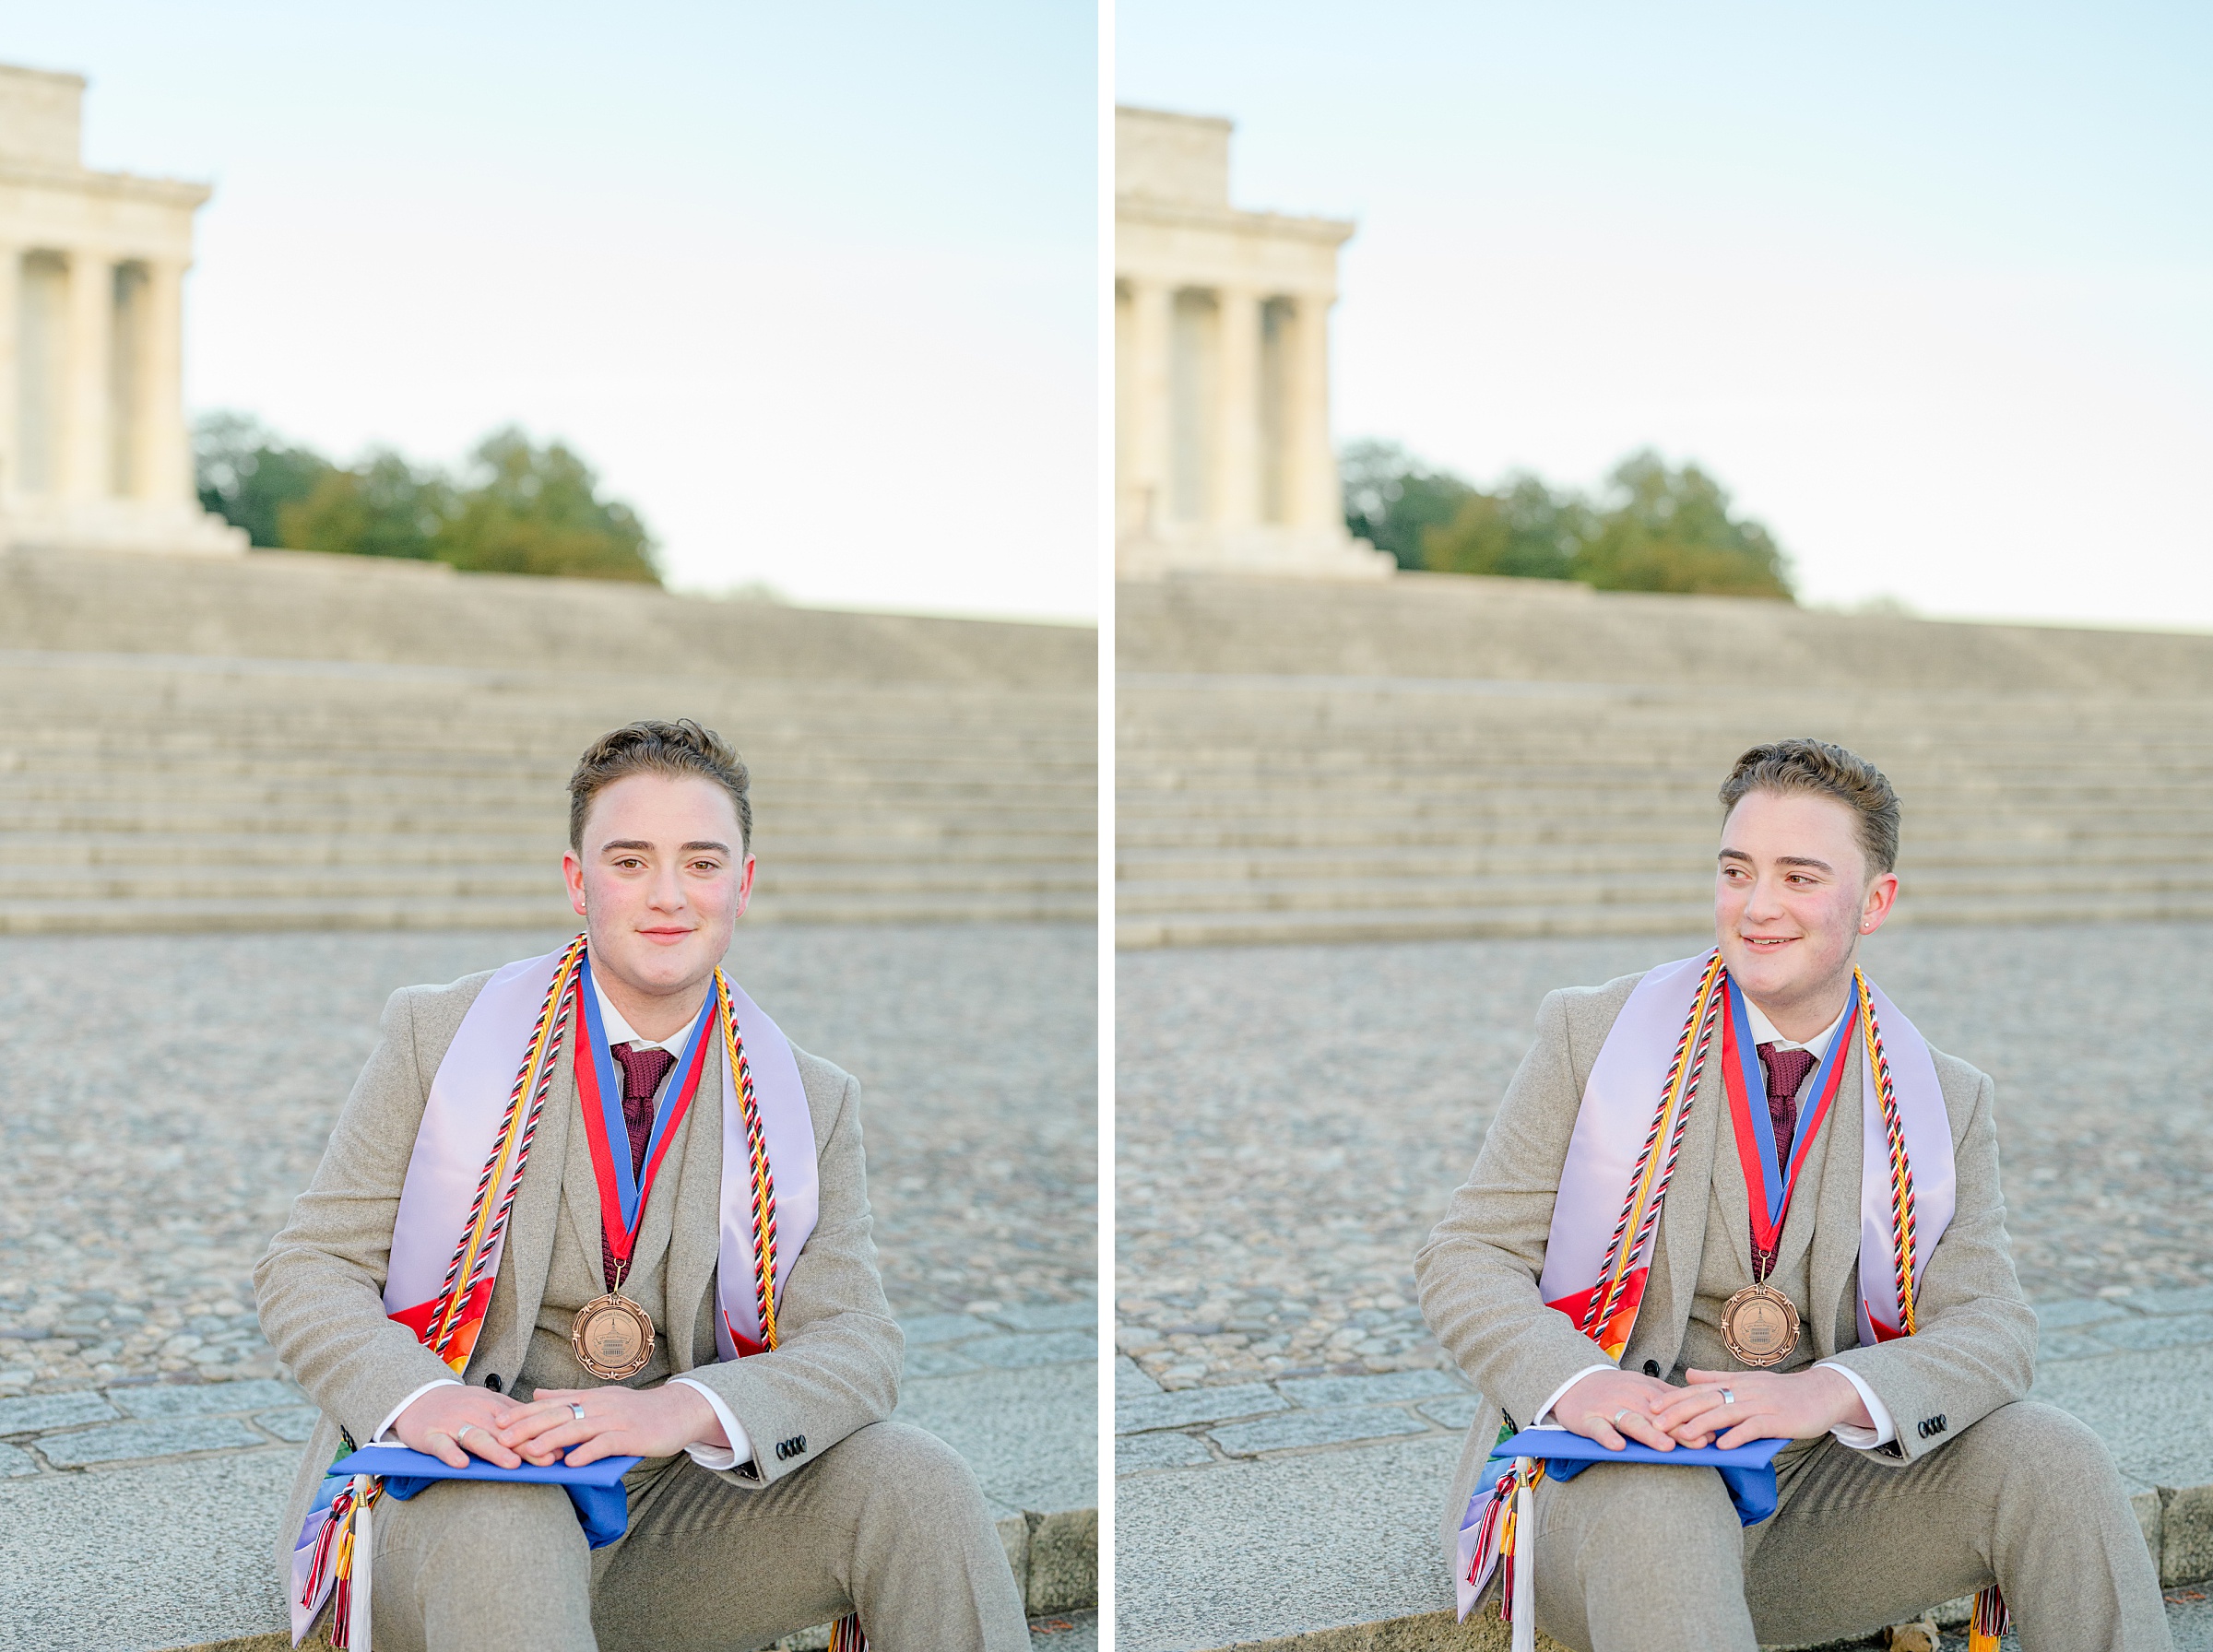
[
  {"x": 655, "y": 747},
  {"x": 1825, "y": 770}
]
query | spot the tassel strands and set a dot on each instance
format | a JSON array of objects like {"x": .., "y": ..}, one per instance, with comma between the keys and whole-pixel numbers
[{"x": 1989, "y": 1621}]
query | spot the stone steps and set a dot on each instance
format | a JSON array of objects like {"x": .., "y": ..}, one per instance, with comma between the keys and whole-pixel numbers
[
  {"x": 1224, "y": 1495},
  {"x": 1305, "y": 808},
  {"x": 164, "y": 793}
]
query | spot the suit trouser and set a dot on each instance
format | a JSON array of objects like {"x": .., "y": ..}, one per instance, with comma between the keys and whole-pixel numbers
[
  {"x": 889, "y": 1521},
  {"x": 1638, "y": 1559}
]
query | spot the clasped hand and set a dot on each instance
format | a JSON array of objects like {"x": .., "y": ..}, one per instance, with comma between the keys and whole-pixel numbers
[
  {"x": 1615, "y": 1407},
  {"x": 454, "y": 1422}
]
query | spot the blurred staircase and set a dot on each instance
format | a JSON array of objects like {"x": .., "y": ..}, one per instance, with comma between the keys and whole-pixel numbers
[
  {"x": 1297, "y": 791},
  {"x": 313, "y": 742}
]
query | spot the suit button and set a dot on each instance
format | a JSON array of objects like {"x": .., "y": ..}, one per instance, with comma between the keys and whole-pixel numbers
[
  {"x": 1651, "y": 1367},
  {"x": 492, "y": 1381}
]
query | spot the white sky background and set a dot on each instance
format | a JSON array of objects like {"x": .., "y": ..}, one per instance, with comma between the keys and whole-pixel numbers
[
  {"x": 813, "y": 287},
  {"x": 1928, "y": 287}
]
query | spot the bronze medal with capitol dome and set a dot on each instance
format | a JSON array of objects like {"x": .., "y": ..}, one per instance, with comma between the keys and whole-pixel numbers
[{"x": 1759, "y": 1326}]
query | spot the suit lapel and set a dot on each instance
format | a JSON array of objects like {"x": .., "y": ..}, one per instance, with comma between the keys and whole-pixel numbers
[{"x": 696, "y": 1240}]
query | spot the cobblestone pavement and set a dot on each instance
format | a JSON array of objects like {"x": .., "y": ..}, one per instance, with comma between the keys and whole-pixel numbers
[
  {"x": 1292, "y": 1119},
  {"x": 168, "y": 1095}
]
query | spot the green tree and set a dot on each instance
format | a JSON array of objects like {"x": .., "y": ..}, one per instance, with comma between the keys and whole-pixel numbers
[
  {"x": 381, "y": 507},
  {"x": 248, "y": 476},
  {"x": 1670, "y": 530},
  {"x": 538, "y": 510},
  {"x": 1391, "y": 498},
  {"x": 1525, "y": 531}
]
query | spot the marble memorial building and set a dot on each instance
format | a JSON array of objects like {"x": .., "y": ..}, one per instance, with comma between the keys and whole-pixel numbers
[
  {"x": 94, "y": 453},
  {"x": 1224, "y": 462}
]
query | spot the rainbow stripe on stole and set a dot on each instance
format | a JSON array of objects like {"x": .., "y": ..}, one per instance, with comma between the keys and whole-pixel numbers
[
  {"x": 470, "y": 1151},
  {"x": 1628, "y": 1131}
]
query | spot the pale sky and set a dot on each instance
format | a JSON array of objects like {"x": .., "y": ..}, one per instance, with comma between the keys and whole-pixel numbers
[
  {"x": 1930, "y": 289},
  {"x": 814, "y": 287}
]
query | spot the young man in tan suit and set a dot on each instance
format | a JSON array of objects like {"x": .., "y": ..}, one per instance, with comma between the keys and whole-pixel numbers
[
  {"x": 775, "y": 1492},
  {"x": 1918, "y": 1472}
]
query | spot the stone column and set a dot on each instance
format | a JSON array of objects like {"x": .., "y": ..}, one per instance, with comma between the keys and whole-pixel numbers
[
  {"x": 86, "y": 457},
  {"x": 163, "y": 445},
  {"x": 11, "y": 384},
  {"x": 1237, "y": 453},
  {"x": 1146, "y": 421},
  {"x": 1313, "y": 500}
]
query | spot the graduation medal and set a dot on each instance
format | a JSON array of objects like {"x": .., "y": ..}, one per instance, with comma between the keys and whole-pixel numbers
[
  {"x": 611, "y": 1335},
  {"x": 1760, "y": 1324}
]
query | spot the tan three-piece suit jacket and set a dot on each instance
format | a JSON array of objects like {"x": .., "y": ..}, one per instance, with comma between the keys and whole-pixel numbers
[
  {"x": 319, "y": 1286},
  {"x": 1975, "y": 1350}
]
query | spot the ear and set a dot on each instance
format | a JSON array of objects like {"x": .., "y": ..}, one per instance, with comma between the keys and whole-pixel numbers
[
  {"x": 745, "y": 886},
  {"x": 1882, "y": 894},
  {"x": 572, "y": 873}
]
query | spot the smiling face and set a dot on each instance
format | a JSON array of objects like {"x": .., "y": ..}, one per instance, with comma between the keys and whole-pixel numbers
[
  {"x": 660, "y": 881},
  {"x": 1791, "y": 897}
]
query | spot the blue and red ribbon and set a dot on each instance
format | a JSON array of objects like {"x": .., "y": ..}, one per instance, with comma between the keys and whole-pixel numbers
[{"x": 622, "y": 1191}]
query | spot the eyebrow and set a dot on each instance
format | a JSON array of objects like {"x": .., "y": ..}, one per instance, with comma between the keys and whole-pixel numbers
[
  {"x": 630, "y": 845},
  {"x": 1780, "y": 860}
]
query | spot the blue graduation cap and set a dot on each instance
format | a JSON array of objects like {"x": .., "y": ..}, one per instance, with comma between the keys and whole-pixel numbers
[
  {"x": 1748, "y": 1470},
  {"x": 602, "y": 1505}
]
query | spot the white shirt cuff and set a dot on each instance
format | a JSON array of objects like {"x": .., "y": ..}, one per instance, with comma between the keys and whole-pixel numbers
[
  {"x": 1560, "y": 1392},
  {"x": 1861, "y": 1439},
  {"x": 740, "y": 1448},
  {"x": 383, "y": 1436}
]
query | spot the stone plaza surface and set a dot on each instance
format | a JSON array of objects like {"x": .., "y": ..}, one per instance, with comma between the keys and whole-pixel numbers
[
  {"x": 170, "y": 1094},
  {"x": 136, "y": 1517},
  {"x": 1292, "y": 1120}
]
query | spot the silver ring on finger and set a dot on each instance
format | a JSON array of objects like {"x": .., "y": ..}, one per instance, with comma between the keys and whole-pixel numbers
[
  {"x": 577, "y": 1410},
  {"x": 1619, "y": 1415},
  {"x": 1728, "y": 1397},
  {"x": 462, "y": 1434}
]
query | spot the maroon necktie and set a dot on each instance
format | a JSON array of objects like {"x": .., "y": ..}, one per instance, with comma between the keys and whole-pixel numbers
[
  {"x": 1786, "y": 1069},
  {"x": 642, "y": 1070}
]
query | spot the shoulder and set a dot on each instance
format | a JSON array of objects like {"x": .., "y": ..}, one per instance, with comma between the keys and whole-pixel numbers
[
  {"x": 432, "y": 1015},
  {"x": 1584, "y": 1015}
]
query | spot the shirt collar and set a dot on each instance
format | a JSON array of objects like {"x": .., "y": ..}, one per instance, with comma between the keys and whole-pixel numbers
[
  {"x": 1763, "y": 1032},
  {"x": 620, "y": 1032}
]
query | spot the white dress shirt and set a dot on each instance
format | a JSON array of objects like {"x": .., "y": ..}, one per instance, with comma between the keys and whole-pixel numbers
[
  {"x": 1860, "y": 1439},
  {"x": 740, "y": 1448}
]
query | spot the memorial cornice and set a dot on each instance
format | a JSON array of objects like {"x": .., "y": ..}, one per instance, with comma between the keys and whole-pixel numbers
[
  {"x": 166, "y": 192},
  {"x": 1146, "y": 209}
]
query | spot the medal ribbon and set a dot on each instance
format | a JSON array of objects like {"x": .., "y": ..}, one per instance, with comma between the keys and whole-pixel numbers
[
  {"x": 623, "y": 1192},
  {"x": 1741, "y": 1075}
]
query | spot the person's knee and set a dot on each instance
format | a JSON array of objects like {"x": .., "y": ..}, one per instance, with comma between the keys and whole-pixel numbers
[
  {"x": 911, "y": 1471},
  {"x": 2049, "y": 1442}
]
